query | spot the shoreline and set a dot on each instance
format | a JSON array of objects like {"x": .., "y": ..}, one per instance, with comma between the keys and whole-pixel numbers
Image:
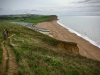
[
  {"x": 61, "y": 33},
  {"x": 78, "y": 34}
]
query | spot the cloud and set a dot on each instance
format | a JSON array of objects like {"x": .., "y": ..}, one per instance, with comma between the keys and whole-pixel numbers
[
  {"x": 71, "y": 7},
  {"x": 0, "y": 8},
  {"x": 85, "y": 1}
]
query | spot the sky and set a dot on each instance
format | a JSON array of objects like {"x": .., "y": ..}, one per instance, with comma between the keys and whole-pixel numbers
[{"x": 56, "y": 7}]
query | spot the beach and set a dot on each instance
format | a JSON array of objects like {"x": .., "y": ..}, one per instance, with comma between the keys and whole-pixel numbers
[{"x": 59, "y": 32}]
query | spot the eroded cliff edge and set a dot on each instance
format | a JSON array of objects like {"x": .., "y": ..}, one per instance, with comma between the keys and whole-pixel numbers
[{"x": 68, "y": 46}]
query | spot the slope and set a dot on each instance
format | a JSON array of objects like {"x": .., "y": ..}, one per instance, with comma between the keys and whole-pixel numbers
[{"x": 37, "y": 54}]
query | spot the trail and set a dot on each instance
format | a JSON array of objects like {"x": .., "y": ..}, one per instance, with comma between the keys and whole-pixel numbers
[
  {"x": 9, "y": 65},
  {"x": 5, "y": 58}
]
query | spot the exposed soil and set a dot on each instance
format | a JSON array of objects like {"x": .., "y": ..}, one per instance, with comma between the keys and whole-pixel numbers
[{"x": 5, "y": 58}]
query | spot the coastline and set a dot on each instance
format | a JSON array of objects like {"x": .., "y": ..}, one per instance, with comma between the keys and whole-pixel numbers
[
  {"x": 78, "y": 34},
  {"x": 61, "y": 33}
]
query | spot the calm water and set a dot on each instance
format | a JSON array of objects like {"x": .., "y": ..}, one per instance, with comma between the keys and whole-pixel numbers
[{"x": 87, "y": 27}]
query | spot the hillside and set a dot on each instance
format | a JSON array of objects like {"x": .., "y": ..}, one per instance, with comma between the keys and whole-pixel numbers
[{"x": 31, "y": 53}]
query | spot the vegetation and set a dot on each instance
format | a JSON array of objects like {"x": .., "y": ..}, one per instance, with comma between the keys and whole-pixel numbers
[
  {"x": 36, "y": 54},
  {"x": 0, "y": 55},
  {"x": 31, "y": 19}
]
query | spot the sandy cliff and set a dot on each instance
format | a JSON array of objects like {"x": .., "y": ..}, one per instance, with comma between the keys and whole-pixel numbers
[{"x": 70, "y": 47}]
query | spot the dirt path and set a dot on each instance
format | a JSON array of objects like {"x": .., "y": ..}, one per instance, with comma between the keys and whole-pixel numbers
[
  {"x": 9, "y": 65},
  {"x": 5, "y": 58}
]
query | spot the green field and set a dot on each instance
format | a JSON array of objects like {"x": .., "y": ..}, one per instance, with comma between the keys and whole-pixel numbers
[
  {"x": 33, "y": 19},
  {"x": 36, "y": 54}
]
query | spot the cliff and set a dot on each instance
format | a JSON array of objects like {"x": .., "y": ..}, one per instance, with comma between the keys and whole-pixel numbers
[
  {"x": 53, "y": 17},
  {"x": 70, "y": 47}
]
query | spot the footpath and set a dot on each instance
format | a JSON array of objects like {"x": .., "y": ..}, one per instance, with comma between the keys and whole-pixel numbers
[{"x": 9, "y": 64}]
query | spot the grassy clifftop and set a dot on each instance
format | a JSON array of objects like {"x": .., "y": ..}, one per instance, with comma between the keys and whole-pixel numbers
[
  {"x": 37, "y": 54},
  {"x": 31, "y": 19}
]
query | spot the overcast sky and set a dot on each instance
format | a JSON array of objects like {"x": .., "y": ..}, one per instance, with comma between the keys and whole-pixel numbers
[{"x": 58, "y": 7}]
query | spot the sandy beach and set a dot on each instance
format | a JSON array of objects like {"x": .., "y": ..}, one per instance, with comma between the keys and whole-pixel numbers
[{"x": 59, "y": 32}]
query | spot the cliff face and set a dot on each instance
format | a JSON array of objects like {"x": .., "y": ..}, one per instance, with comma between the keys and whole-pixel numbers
[
  {"x": 70, "y": 47},
  {"x": 53, "y": 17}
]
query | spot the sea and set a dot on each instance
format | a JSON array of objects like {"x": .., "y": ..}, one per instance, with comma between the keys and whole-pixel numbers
[{"x": 87, "y": 27}]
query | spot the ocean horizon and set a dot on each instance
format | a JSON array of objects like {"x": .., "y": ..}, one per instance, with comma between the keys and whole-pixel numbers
[{"x": 87, "y": 27}]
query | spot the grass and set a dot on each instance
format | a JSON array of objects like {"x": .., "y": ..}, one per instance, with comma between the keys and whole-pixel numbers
[
  {"x": 37, "y": 54},
  {"x": 34, "y": 19},
  {"x": 0, "y": 55}
]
